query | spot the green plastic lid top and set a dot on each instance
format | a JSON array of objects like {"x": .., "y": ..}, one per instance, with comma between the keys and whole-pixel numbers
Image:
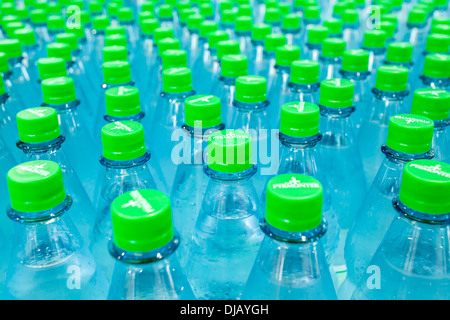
[
  {"x": 165, "y": 11},
  {"x": 333, "y": 47},
  {"x": 431, "y": 103},
  {"x": 177, "y": 80},
  {"x": 228, "y": 16},
  {"x": 245, "y": 10},
  {"x": 229, "y": 151},
  {"x": 26, "y": 36},
  {"x": 58, "y": 91},
  {"x": 417, "y": 16},
  {"x": 202, "y": 111},
  {"x": 141, "y": 220},
  {"x": 374, "y": 39},
  {"x": 272, "y": 16},
  {"x": 334, "y": 26},
  {"x": 409, "y": 133},
  {"x": 162, "y": 33},
  {"x": 10, "y": 27},
  {"x": 174, "y": 59},
  {"x": 350, "y": 16},
  {"x": 11, "y": 47},
  {"x": 10, "y": 18},
  {"x": 425, "y": 186},
  {"x": 185, "y": 13},
  {"x": 225, "y": 5},
  {"x": 234, "y": 65},
  {"x": 316, "y": 34},
  {"x": 125, "y": 15},
  {"x": 244, "y": 24},
  {"x": 55, "y": 23},
  {"x": 59, "y": 50},
  {"x": 23, "y": 12},
  {"x": 4, "y": 66},
  {"x": 100, "y": 22},
  {"x": 440, "y": 20},
  {"x": 339, "y": 8},
  {"x": 260, "y": 31},
  {"x": 284, "y": 7},
  {"x": 51, "y": 68},
  {"x": 122, "y": 101},
  {"x": 115, "y": 40},
  {"x": 251, "y": 89},
  {"x": 194, "y": 21},
  {"x": 390, "y": 17},
  {"x": 437, "y": 43},
  {"x": 437, "y": 66},
  {"x": 115, "y": 29},
  {"x": 388, "y": 27},
  {"x": 299, "y": 119},
  {"x": 114, "y": 53},
  {"x": 36, "y": 186},
  {"x": 148, "y": 6},
  {"x": 216, "y": 36},
  {"x": 145, "y": 15},
  {"x": 287, "y": 54},
  {"x": 356, "y": 60},
  {"x": 68, "y": 37},
  {"x": 336, "y": 93},
  {"x": 294, "y": 202},
  {"x": 148, "y": 26},
  {"x": 206, "y": 27},
  {"x": 168, "y": 44},
  {"x": 312, "y": 13},
  {"x": 391, "y": 78},
  {"x": 441, "y": 29},
  {"x": 273, "y": 41},
  {"x": 116, "y": 72},
  {"x": 37, "y": 125},
  {"x": 123, "y": 140},
  {"x": 38, "y": 16},
  {"x": 227, "y": 47},
  {"x": 95, "y": 7},
  {"x": 440, "y": 3},
  {"x": 304, "y": 72},
  {"x": 291, "y": 21},
  {"x": 206, "y": 10},
  {"x": 399, "y": 52}
]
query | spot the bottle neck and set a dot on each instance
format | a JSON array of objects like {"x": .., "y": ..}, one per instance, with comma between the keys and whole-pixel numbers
[
  {"x": 387, "y": 95},
  {"x": 228, "y": 81},
  {"x": 41, "y": 217},
  {"x": 249, "y": 107},
  {"x": 299, "y": 142},
  {"x": 307, "y": 236},
  {"x": 106, "y": 86},
  {"x": 132, "y": 257},
  {"x": 436, "y": 83},
  {"x": 401, "y": 157},
  {"x": 336, "y": 113},
  {"x": 304, "y": 88},
  {"x": 136, "y": 163},
  {"x": 135, "y": 117},
  {"x": 421, "y": 217},
  {"x": 50, "y": 146},
  {"x": 355, "y": 75},
  {"x": 230, "y": 177},
  {"x": 64, "y": 108}
]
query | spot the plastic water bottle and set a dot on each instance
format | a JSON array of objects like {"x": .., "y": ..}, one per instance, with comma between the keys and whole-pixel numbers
[
  {"x": 40, "y": 139},
  {"x": 374, "y": 41},
  {"x": 38, "y": 19},
  {"x": 292, "y": 248},
  {"x": 435, "y": 105},
  {"x": 30, "y": 49},
  {"x": 227, "y": 21},
  {"x": 259, "y": 33},
  {"x": 144, "y": 246},
  {"x": 202, "y": 118},
  {"x": 435, "y": 73},
  {"x": 243, "y": 33},
  {"x": 401, "y": 54},
  {"x": 355, "y": 67},
  {"x": 389, "y": 92},
  {"x": 226, "y": 47},
  {"x": 409, "y": 138},
  {"x": 272, "y": 17},
  {"x": 50, "y": 68},
  {"x": 334, "y": 26},
  {"x": 227, "y": 236},
  {"x": 125, "y": 167},
  {"x": 416, "y": 30},
  {"x": 232, "y": 67},
  {"x": 59, "y": 94},
  {"x": 192, "y": 41},
  {"x": 351, "y": 31},
  {"x": 314, "y": 39},
  {"x": 49, "y": 260},
  {"x": 265, "y": 67},
  {"x": 340, "y": 156},
  {"x": 330, "y": 58},
  {"x": 391, "y": 28},
  {"x": 99, "y": 24},
  {"x": 419, "y": 225},
  {"x": 8, "y": 131},
  {"x": 15, "y": 100},
  {"x": 291, "y": 26},
  {"x": 205, "y": 28},
  {"x": 183, "y": 15}
]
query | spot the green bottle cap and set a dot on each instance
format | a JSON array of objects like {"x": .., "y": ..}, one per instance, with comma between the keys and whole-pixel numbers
[
  {"x": 51, "y": 68},
  {"x": 391, "y": 78},
  {"x": 287, "y": 54},
  {"x": 425, "y": 186},
  {"x": 122, "y": 101},
  {"x": 387, "y": 27},
  {"x": 440, "y": 3},
  {"x": 11, "y": 47},
  {"x": 234, "y": 65},
  {"x": 316, "y": 34},
  {"x": 260, "y": 31},
  {"x": 291, "y": 22},
  {"x": 271, "y": 3},
  {"x": 285, "y": 8},
  {"x": 304, "y": 72},
  {"x": 229, "y": 151},
  {"x": 374, "y": 39},
  {"x": 23, "y": 13},
  {"x": 38, "y": 16},
  {"x": 116, "y": 72},
  {"x": 273, "y": 41},
  {"x": 174, "y": 59},
  {"x": 216, "y": 36},
  {"x": 399, "y": 52},
  {"x": 244, "y": 10},
  {"x": 123, "y": 140},
  {"x": 36, "y": 186},
  {"x": 409, "y": 133},
  {"x": 55, "y": 23},
  {"x": 162, "y": 33},
  {"x": 10, "y": 27},
  {"x": 228, "y": 16},
  {"x": 148, "y": 6},
  {"x": 206, "y": 27},
  {"x": 336, "y": 93},
  {"x": 37, "y": 125},
  {"x": 417, "y": 16},
  {"x": 115, "y": 53},
  {"x": 194, "y": 21},
  {"x": 100, "y": 23},
  {"x": 431, "y": 103},
  {"x": 206, "y": 10},
  {"x": 115, "y": 29},
  {"x": 389, "y": 17},
  {"x": 356, "y": 60},
  {"x": 59, "y": 50},
  {"x": 112, "y": 8},
  {"x": 9, "y": 18},
  {"x": 95, "y": 7},
  {"x": 148, "y": 26},
  {"x": 441, "y": 29},
  {"x": 165, "y": 11},
  {"x": 58, "y": 91},
  {"x": 440, "y": 20},
  {"x": 350, "y": 16},
  {"x": 185, "y": 13},
  {"x": 299, "y": 119},
  {"x": 168, "y": 44},
  {"x": 437, "y": 43},
  {"x": 294, "y": 202},
  {"x": 339, "y": 8},
  {"x": 68, "y": 37},
  {"x": 183, "y": 4},
  {"x": 334, "y": 27},
  {"x": 145, "y": 15},
  {"x": 125, "y": 15},
  {"x": 4, "y": 66},
  {"x": 177, "y": 80},
  {"x": 251, "y": 89},
  {"x": 437, "y": 66},
  {"x": 142, "y": 220},
  {"x": 244, "y": 24},
  {"x": 227, "y": 47},
  {"x": 312, "y": 13},
  {"x": 333, "y": 47},
  {"x": 272, "y": 16},
  {"x": 26, "y": 36},
  {"x": 225, "y": 5},
  {"x": 202, "y": 111}
]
